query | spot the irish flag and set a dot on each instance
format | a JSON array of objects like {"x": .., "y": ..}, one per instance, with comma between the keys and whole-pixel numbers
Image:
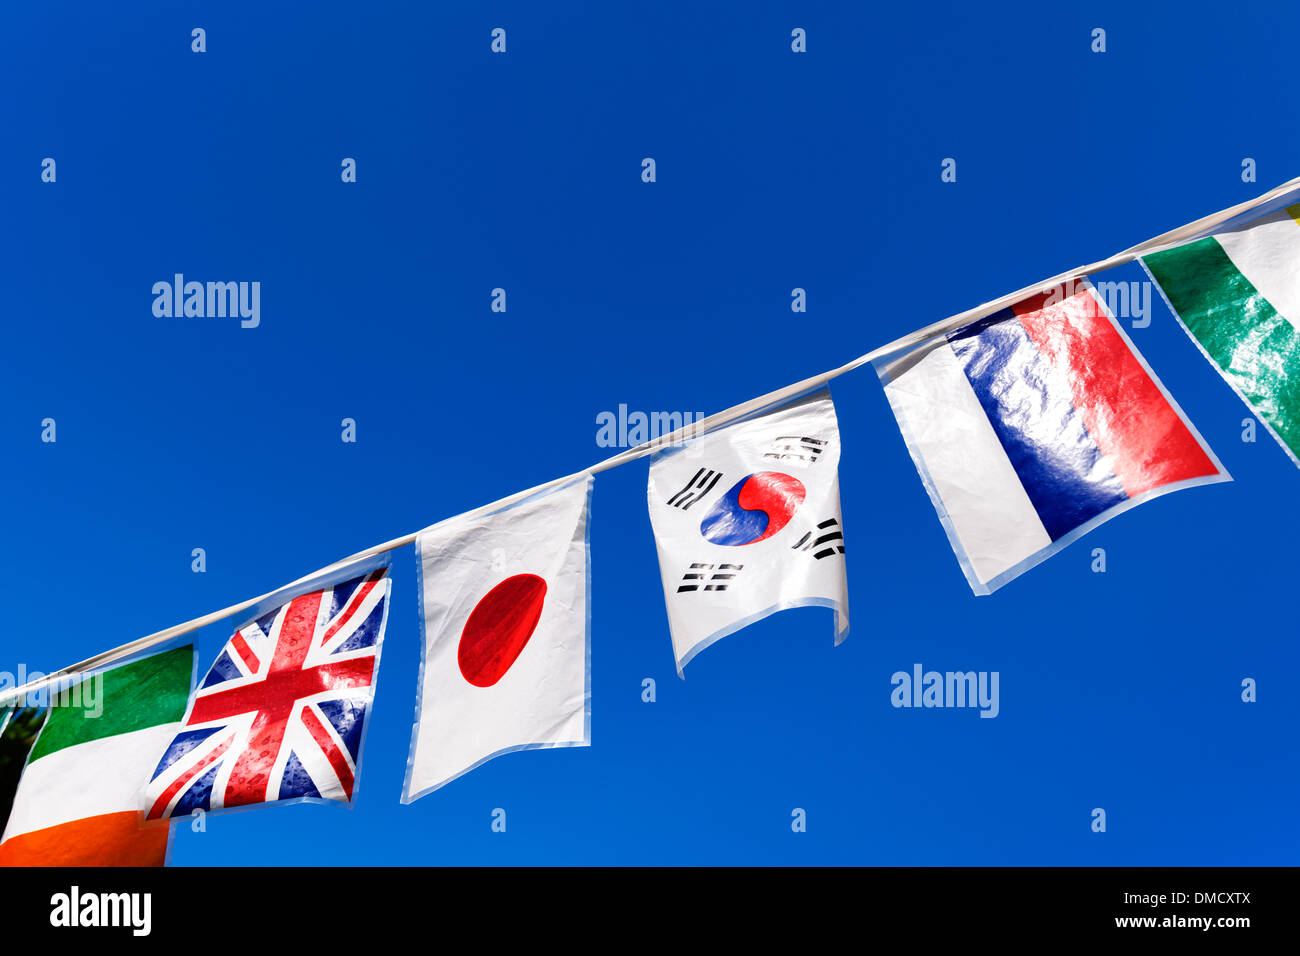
[
  {"x": 78, "y": 801},
  {"x": 1238, "y": 294}
]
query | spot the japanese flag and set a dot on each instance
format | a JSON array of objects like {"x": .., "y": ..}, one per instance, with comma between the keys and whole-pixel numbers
[
  {"x": 506, "y": 659},
  {"x": 747, "y": 522}
]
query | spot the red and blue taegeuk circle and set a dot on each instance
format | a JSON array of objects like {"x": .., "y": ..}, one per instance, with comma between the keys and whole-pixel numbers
[{"x": 756, "y": 507}]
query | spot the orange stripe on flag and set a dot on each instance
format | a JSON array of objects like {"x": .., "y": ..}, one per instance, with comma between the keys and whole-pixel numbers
[{"x": 109, "y": 839}]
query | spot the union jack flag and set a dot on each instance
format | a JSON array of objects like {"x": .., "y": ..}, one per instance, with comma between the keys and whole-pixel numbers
[{"x": 280, "y": 715}]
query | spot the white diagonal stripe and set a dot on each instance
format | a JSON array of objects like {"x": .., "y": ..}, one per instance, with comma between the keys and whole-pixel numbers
[
  {"x": 85, "y": 780},
  {"x": 968, "y": 471},
  {"x": 1267, "y": 253}
]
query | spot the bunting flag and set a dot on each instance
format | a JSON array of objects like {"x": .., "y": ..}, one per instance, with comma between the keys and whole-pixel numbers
[
  {"x": 1029, "y": 427},
  {"x": 281, "y": 713},
  {"x": 747, "y": 522},
  {"x": 78, "y": 801},
  {"x": 1237, "y": 293},
  {"x": 506, "y": 661},
  {"x": 1032, "y": 426}
]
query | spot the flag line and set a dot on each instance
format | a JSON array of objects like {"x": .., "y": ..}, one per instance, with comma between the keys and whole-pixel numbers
[{"x": 1185, "y": 233}]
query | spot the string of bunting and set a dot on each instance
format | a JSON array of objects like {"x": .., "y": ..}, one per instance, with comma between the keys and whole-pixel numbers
[{"x": 1274, "y": 199}]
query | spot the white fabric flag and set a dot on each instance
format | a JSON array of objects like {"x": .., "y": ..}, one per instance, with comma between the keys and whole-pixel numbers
[
  {"x": 506, "y": 660},
  {"x": 747, "y": 522}
]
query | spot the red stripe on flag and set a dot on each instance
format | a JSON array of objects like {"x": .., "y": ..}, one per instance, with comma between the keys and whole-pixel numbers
[
  {"x": 243, "y": 650},
  {"x": 329, "y": 748},
  {"x": 351, "y": 609},
  {"x": 160, "y": 805},
  {"x": 1125, "y": 412}
]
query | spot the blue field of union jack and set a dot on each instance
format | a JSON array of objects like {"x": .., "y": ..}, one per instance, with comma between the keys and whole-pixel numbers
[{"x": 281, "y": 713}]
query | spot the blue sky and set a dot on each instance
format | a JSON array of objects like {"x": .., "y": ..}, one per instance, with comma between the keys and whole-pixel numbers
[{"x": 775, "y": 170}]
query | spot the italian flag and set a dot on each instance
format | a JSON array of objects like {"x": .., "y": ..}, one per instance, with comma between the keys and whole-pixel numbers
[
  {"x": 78, "y": 801},
  {"x": 1238, "y": 294}
]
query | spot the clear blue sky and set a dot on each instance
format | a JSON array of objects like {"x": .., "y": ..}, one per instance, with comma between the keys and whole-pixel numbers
[{"x": 522, "y": 171}]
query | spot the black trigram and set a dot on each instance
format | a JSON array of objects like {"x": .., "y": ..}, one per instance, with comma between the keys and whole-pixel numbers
[
  {"x": 708, "y": 577},
  {"x": 828, "y": 534},
  {"x": 695, "y": 489},
  {"x": 797, "y": 448}
]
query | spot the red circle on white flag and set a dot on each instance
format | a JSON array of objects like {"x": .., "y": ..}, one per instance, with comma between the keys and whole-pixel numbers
[{"x": 499, "y": 628}]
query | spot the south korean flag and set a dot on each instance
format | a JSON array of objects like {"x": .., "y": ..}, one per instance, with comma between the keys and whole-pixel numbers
[{"x": 747, "y": 522}]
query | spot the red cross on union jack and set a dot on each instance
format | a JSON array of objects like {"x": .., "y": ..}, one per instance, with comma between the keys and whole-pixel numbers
[{"x": 282, "y": 711}]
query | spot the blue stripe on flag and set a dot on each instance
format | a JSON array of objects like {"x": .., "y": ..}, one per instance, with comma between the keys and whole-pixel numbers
[
  {"x": 1029, "y": 405},
  {"x": 199, "y": 794}
]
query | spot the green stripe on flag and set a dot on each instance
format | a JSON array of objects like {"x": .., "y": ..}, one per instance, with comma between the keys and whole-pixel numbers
[
  {"x": 1256, "y": 348},
  {"x": 144, "y": 693}
]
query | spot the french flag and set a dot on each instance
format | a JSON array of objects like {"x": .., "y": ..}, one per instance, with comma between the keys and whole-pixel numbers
[{"x": 1035, "y": 424}]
